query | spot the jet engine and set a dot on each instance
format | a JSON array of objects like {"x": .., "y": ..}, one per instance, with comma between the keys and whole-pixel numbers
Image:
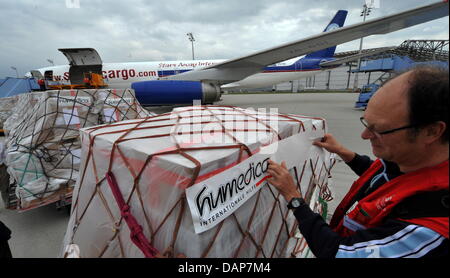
[{"x": 167, "y": 92}]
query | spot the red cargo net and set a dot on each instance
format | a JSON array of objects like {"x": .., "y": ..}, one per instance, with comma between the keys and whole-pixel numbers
[
  {"x": 145, "y": 243},
  {"x": 136, "y": 234},
  {"x": 44, "y": 132}
]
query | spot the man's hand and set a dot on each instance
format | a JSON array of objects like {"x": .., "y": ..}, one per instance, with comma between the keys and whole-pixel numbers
[
  {"x": 282, "y": 180},
  {"x": 330, "y": 144}
]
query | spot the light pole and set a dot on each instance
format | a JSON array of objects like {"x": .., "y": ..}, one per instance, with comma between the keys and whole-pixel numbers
[
  {"x": 191, "y": 38},
  {"x": 51, "y": 62},
  {"x": 17, "y": 73},
  {"x": 365, "y": 12}
]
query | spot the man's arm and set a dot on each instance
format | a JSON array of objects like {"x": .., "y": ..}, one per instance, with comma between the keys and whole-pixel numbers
[
  {"x": 386, "y": 240},
  {"x": 359, "y": 164},
  {"x": 392, "y": 239}
]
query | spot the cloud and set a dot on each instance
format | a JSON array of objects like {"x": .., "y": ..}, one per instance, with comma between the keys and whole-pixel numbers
[{"x": 139, "y": 30}]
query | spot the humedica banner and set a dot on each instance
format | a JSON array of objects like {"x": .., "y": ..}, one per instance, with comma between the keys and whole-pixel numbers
[{"x": 213, "y": 200}]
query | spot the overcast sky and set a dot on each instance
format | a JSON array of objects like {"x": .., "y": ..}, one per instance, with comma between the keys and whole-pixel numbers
[{"x": 31, "y": 31}]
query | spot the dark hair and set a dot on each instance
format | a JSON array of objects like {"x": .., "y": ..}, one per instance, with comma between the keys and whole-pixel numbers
[{"x": 428, "y": 97}]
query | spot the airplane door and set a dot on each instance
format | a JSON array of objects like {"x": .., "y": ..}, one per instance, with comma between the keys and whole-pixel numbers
[
  {"x": 48, "y": 75},
  {"x": 82, "y": 60},
  {"x": 82, "y": 56},
  {"x": 37, "y": 74}
]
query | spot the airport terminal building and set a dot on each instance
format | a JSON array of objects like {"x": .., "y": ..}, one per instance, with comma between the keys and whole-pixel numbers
[{"x": 336, "y": 79}]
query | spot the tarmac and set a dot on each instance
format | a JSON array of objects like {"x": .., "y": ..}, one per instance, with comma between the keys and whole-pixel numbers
[{"x": 39, "y": 233}]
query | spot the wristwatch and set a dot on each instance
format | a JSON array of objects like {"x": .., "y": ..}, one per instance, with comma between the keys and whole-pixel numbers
[{"x": 295, "y": 203}]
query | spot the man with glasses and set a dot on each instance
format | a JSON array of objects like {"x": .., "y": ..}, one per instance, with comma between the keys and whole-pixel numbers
[{"x": 399, "y": 205}]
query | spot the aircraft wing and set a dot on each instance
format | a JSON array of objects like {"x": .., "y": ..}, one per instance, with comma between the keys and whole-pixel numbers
[
  {"x": 367, "y": 53},
  {"x": 237, "y": 69}
]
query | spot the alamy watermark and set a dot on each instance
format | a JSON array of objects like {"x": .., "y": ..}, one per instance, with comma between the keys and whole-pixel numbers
[
  {"x": 73, "y": 4},
  {"x": 223, "y": 126},
  {"x": 373, "y": 4}
]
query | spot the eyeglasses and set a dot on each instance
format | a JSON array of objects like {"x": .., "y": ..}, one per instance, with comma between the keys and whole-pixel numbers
[{"x": 379, "y": 133}]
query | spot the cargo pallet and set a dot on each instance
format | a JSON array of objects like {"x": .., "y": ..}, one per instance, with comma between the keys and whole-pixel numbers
[{"x": 61, "y": 198}]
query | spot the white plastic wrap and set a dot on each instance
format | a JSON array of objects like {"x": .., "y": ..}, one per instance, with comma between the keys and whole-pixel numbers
[
  {"x": 6, "y": 106},
  {"x": 24, "y": 104},
  {"x": 156, "y": 159},
  {"x": 44, "y": 150}
]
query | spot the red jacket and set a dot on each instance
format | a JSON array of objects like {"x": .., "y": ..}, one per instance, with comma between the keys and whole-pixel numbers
[{"x": 374, "y": 208}]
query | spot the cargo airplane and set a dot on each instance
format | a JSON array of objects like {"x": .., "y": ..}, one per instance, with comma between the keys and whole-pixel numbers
[{"x": 181, "y": 82}]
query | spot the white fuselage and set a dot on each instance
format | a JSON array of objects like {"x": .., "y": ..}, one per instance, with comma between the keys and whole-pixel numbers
[{"x": 121, "y": 75}]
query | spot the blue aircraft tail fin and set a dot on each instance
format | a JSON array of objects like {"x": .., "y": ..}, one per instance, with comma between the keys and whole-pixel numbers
[{"x": 337, "y": 22}]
